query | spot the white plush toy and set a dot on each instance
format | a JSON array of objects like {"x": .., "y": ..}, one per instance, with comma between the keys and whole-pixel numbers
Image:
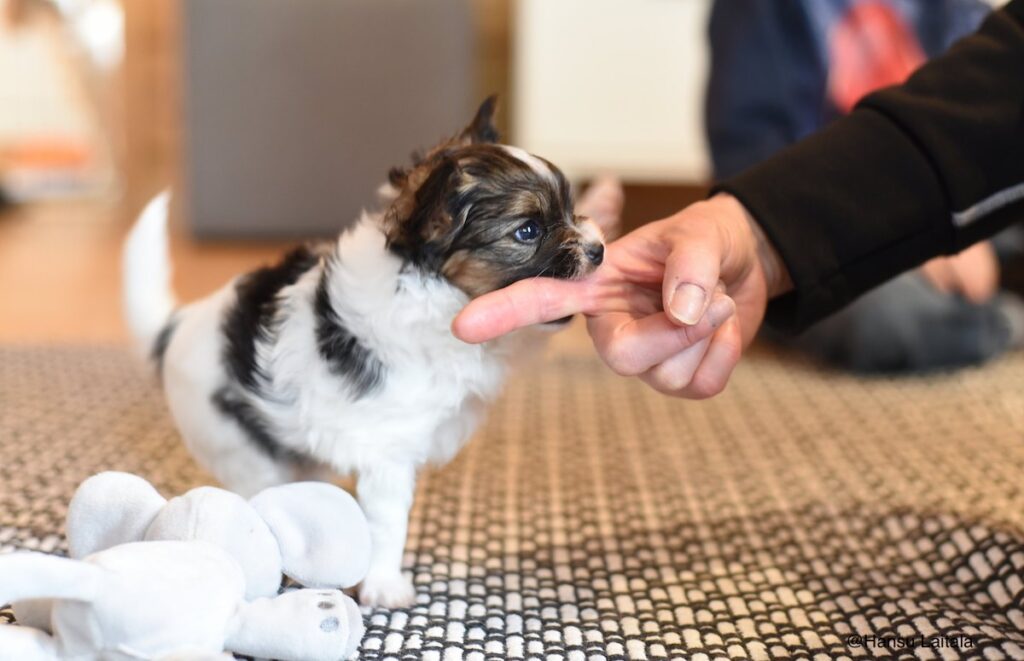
[{"x": 191, "y": 577}]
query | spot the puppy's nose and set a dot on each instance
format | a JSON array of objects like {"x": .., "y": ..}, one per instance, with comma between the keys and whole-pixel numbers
[{"x": 595, "y": 253}]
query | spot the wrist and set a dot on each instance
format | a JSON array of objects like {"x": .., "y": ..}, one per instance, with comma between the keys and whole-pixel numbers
[{"x": 773, "y": 269}]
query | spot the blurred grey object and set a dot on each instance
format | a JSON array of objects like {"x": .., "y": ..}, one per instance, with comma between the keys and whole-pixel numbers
[{"x": 294, "y": 111}]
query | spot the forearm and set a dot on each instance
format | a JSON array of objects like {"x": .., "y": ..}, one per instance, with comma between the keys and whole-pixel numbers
[{"x": 918, "y": 170}]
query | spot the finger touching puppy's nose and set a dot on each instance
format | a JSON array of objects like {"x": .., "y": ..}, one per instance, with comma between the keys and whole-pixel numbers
[
  {"x": 525, "y": 303},
  {"x": 595, "y": 253}
]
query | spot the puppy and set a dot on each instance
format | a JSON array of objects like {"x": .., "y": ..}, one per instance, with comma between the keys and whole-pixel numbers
[{"x": 341, "y": 355}]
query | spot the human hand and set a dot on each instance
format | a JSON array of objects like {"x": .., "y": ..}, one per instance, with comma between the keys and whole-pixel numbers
[
  {"x": 973, "y": 273},
  {"x": 674, "y": 302},
  {"x": 602, "y": 202}
]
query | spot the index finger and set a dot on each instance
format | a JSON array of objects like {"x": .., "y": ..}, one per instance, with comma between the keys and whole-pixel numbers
[{"x": 524, "y": 303}]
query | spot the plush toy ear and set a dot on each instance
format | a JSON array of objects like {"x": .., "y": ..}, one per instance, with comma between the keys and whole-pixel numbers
[
  {"x": 323, "y": 534},
  {"x": 109, "y": 509},
  {"x": 226, "y": 520}
]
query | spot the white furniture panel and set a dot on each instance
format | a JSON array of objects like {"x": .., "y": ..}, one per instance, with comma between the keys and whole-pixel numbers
[{"x": 613, "y": 85}]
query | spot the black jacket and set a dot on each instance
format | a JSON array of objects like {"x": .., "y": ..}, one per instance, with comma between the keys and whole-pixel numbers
[{"x": 917, "y": 170}]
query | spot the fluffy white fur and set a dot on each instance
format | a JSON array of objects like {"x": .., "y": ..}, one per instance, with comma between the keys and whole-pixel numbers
[
  {"x": 430, "y": 402},
  {"x": 148, "y": 300}
]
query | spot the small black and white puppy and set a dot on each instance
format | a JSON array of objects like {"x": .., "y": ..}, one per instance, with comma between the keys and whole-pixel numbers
[{"x": 341, "y": 356}]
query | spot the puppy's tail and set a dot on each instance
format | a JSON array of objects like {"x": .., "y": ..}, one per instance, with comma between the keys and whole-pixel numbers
[{"x": 146, "y": 278}]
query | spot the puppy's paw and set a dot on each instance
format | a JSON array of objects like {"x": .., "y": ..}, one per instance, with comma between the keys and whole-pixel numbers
[{"x": 387, "y": 591}]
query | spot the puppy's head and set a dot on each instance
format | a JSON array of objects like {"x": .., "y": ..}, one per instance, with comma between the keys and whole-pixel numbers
[{"x": 484, "y": 215}]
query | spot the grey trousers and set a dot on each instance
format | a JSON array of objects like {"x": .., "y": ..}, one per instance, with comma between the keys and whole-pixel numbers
[{"x": 907, "y": 326}]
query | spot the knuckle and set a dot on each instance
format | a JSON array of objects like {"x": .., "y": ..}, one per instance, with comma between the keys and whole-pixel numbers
[
  {"x": 687, "y": 336},
  {"x": 674, "y": 381},
  {"x": 589, "y": 292},
  {"x": 735, "y": 351},
  {"x": 669, "y": 389},
  {"x": 670, "y": 378},
  {"x": 621, "y": 358},
  {"x": 731, "y": 351},
  {"x": 705, "y": 386}
]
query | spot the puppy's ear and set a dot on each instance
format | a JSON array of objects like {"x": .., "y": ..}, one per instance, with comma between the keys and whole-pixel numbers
[
  {"x": 419, "y": 221},
  {"x": 481, "y": 129}
]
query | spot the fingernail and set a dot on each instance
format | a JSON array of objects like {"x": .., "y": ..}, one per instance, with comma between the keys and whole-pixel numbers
[
  {"x": 721, "y": 308},
  {"x": 687, "y": 304}
]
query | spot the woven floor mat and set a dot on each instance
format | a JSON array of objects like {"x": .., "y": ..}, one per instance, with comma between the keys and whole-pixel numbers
[{"x": 594, "y": 519}]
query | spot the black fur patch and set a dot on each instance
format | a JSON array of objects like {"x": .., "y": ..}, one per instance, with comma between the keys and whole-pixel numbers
[
  {"x": 163, "y": 339},
  {"x": 234, "y": 406},
  {"x": 250, "y": 320},
  {"x": 346, "y": 357}
]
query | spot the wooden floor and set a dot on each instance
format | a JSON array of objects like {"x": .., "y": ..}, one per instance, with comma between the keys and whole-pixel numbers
[
  {"x": 60, "y": 270},
  {"x": 60, "y": 263},
  {"x": 60, "y": 273}
]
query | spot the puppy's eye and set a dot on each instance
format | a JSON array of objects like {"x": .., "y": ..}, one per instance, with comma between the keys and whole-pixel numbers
[{"x": 528, "y": 232}]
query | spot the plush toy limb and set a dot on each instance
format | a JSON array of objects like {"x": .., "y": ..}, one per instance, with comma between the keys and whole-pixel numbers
[
  {"x": 322, "y": 533},
  {"x": 37, "y": 575},
  {"x": 109, "y": 509},
  {"x": 18, "y": 643},
  {"x": 386, "y": 496},
  {"x": 302, "y": 625}
]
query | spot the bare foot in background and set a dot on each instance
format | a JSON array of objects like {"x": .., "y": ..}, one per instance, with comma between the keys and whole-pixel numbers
[
  {"x": 973, "y": 273},
  {"x": 602, "y": 202}
]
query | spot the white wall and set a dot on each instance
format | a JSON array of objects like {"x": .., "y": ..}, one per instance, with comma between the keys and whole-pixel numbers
[{"x": 612, "y": 85}]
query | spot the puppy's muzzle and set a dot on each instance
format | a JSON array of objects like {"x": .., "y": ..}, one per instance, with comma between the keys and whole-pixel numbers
[
  {"x": 591, "y": 245},
  {"x": 593, "y": 250}
]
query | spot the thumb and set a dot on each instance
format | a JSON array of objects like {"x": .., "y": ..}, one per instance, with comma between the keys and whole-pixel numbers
[
  {"x": 692, "y": 272},
  {"x": 524, "y": 303}
]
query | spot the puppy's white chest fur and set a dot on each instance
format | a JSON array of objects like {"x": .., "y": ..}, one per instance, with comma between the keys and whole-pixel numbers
[{"x": 430, "y": 388}]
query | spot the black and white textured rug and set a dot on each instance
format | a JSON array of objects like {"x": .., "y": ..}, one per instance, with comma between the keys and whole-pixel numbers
[{"x": 800, "y": 515}]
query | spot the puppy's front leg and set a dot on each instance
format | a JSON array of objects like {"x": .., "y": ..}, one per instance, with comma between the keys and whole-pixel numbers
[{"x": 385, "y": 494}]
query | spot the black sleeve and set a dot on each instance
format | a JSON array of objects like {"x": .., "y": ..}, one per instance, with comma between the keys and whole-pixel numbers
[{"x": 917, "y": 170}]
